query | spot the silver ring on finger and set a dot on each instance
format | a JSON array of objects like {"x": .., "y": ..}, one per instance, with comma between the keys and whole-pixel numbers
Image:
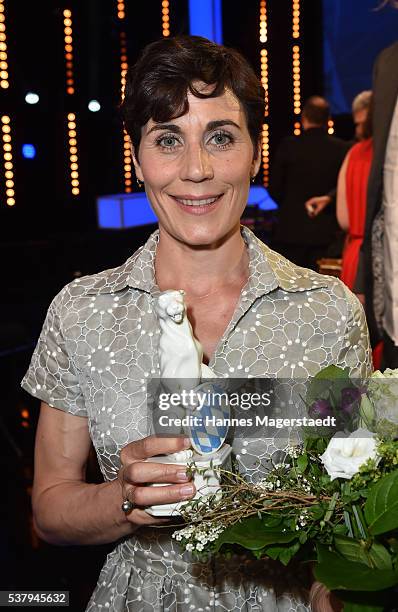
[{"x": 127, "y": 505}]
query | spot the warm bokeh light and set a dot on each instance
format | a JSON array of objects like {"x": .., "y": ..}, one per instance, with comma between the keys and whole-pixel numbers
[
  {"x": 296, "y": 67},
  {"x": 68, "y": 46},
  {"x": 330, "y": 126},
  {"x": 263, "y": 22},
  {"x": 7, "y": 157},
  {"x": 73, "y": 159},
  {"x": 121, "y": 9},
  {"x": 296, "y": 87},
  {"x": 265, "y": 153},
  {"x": 4, "y": 79},
  {"x": 165, "y": 18},
  {"x": 123, "y": 71},
  {"x": 264, "y": 82},
  {"x": 127, "y": 162},
  {"x": 296, "y": 19}
]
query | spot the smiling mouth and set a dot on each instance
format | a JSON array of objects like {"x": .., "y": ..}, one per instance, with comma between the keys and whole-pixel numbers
[{"x": 197, "y": 202}]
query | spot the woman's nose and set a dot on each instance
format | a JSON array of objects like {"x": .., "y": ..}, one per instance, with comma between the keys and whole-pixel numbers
[{"x": 196, "y": 164}]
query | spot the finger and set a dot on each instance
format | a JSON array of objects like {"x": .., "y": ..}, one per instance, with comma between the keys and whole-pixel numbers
[
  {"x": 141, "y": 517},
  {"x": 151, "y": 446},
  {"x": 163, "y": 494},
  {"x": 141, "y": 472}
]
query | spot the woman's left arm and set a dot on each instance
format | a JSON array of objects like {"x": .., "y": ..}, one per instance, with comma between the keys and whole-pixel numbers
[{"x": 341, "y": 200}]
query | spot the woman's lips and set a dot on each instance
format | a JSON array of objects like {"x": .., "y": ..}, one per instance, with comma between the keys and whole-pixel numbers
[{"x": 198, "y": 206}]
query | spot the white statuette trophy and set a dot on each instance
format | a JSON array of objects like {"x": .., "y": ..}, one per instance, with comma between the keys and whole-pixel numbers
[{"x": 182, "y": 369}]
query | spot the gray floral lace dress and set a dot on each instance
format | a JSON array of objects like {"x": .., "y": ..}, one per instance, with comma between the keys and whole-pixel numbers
[{"x": 97, "y": 350}]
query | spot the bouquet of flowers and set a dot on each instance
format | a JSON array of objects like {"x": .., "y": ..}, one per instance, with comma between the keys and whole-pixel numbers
[{"x": 333, "y": 500}]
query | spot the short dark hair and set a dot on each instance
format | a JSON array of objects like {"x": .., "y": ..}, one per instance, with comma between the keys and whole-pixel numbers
[
  {"x": 317, "y": 111},
  {"x": 158, "y": 84}
]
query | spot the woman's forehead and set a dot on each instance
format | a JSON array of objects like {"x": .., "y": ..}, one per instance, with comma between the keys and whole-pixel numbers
[{"x": 224, "y": 106}]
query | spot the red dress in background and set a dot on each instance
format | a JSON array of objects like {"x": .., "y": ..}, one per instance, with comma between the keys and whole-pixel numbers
[{"x": 358, "y": 169}]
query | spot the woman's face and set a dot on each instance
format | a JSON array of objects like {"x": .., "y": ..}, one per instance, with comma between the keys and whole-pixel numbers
[{"x": 197, "y": 169}]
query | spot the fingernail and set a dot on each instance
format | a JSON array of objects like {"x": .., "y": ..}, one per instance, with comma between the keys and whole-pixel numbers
[
  {"x": 187, "y": 442},
  {"x": 182, "y": 476},
  {"x": 186, "y": 491}
]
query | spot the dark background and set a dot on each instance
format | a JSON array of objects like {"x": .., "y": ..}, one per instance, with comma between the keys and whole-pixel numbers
[{"x": 49, "y": 237}]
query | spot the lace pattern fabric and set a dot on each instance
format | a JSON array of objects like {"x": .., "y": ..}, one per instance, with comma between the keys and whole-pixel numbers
[{"x": 99, "y": 347}]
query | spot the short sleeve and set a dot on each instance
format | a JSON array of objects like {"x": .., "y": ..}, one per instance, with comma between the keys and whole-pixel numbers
[
  {"x": 51, "y": 375},
  {"x": 355, "y": 352}
]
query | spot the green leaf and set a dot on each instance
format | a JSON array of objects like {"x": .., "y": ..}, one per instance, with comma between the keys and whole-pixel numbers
[
  {"x": 381, "y": 507},
  {"x": 375, "y": 556},
  {"x": 271, "y": 522},
  {"x": 327, "y": 380},
  {"x": 335, "y": 572},
  {"x": 273, "y": 552},
  {"x": 302, "y": 463},
  {"x": 252, "y": 535},
  {"x": 289, "y": 553}
]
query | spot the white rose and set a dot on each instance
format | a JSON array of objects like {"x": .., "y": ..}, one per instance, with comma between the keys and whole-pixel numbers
[{"x": 345, "y": 454}]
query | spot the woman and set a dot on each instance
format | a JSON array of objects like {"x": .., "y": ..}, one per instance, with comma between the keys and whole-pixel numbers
[
  {"x": 194, "y": 112},
  {"x": 351, "y": 200},
  {"x": 352, "y": 188}
]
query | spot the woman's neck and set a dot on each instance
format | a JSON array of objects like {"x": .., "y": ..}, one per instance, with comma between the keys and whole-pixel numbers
[{"x": 200, "y": 271}]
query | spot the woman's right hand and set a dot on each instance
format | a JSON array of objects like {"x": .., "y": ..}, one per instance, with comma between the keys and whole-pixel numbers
[{"x": 136, "y": 474}]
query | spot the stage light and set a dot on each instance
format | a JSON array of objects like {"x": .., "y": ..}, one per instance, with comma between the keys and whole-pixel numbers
[
  {"x": 265, "y": 153},
  {"x": 296, "y": 88},
  {"x": 296, "y": 19},
  {"x": 165, "y": 18},
  {"x": 121, "y": 9},
  {"x": 330, "y": 126},
  {"x": 263, "y": 22},
  {"x": 127, "y": 162},
  {"x": 263, "y": 35},
  {"x": 31, "y": 98},
  {"x": 73, "y": 159},
  {"x": 7, "y": 156},
  {"x": 68, "y": 46},
  {"x": 4, "y": 82},
  {"x": 94, "y": 106},
  {"x": 28, "y": 151}
]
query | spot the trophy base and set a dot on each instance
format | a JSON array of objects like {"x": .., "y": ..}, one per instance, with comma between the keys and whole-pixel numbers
[{"x": 206, "y": 483}]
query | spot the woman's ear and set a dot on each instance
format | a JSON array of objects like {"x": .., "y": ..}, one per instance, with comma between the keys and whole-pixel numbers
[
  {"x": 137, "y": 167},
  {"x": 256, "y": 160}
]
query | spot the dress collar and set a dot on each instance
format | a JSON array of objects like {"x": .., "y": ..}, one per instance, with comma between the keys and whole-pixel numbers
[{"x": 267, "y": 271}]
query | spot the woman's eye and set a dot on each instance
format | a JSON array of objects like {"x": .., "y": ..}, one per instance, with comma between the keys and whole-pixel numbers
[
  {"x": 169, "y": 142},
  {"x": 222, "y": 139}
]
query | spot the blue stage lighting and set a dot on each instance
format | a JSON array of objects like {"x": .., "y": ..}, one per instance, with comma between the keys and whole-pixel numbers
[
  {"x": 205, "y": 19},
  {"x": 28, "y": 151}
]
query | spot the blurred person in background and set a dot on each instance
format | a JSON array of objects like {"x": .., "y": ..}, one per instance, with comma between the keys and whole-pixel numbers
[
  {"x": 352, "y": 188},
  {"x": 360, "y": 107},
  {"x": 360, "y": 112},
  {"x": 305, "y": 166}
]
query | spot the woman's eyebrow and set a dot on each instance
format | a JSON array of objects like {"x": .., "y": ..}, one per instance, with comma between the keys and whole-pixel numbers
[
  {"x": 165, "y": 126},
  {"x": 212, "y": 125}
]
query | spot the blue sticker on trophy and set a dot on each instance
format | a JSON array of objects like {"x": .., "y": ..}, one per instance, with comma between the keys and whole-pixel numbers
[{"x": 209, "y": 428}]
